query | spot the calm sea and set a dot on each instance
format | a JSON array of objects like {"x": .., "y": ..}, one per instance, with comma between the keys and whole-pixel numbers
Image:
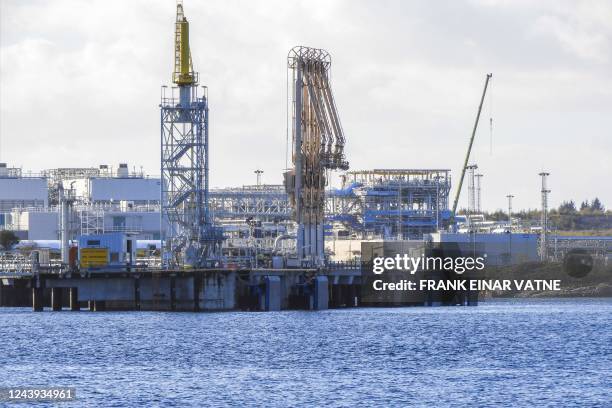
[{"x": 506, "y": 352}]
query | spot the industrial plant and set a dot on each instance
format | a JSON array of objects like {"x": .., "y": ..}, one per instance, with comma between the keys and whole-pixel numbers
[{"x": 110, "y": 237}]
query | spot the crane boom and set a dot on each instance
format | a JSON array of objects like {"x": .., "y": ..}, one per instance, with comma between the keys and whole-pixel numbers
[
  {"x": 467, "y": 156},
  {"x": 183, "y": 68}
]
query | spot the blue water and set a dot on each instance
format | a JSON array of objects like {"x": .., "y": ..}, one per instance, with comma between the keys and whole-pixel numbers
[{"x": 505, "y": 352}]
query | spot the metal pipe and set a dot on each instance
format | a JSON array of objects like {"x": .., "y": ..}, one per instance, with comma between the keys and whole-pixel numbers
[
  {"x": 64, "y": 214},
  {"x": 298, "y": 159}
]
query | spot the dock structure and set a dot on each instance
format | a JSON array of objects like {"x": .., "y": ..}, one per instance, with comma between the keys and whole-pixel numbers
[
  {"x": 194, "y": 290},
  {"x": 212, "y": 289},
  {"x": 339, "y": 285}
]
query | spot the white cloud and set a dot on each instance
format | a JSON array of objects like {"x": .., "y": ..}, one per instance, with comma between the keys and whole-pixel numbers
[{"x": 79, "y": 85}]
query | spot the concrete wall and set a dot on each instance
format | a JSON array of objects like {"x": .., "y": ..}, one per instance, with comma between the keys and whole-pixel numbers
[{"x": 216, "y": 291}]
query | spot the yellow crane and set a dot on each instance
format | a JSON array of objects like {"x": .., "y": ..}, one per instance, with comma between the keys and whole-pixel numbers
[{"x": 183, "y": 68}]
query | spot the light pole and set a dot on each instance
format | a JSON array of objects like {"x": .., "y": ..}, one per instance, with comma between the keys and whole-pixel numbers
[
  {"x": 510, "y": 197},
  {"x": 258, "y": 172},
  {"x": 400, "y": 235},
  {"x": 544, "y": 220},
  {"x": 478, "y": 195},
  {"x": 437, "y": 178}
]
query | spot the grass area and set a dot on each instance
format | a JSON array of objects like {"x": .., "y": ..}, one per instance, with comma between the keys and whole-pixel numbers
[
  {"x": 586, "y": 233},
  {"x": 600, "y": 274}
]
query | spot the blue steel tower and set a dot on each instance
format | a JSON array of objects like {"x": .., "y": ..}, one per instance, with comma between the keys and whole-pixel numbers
[{"x": 189, "y": 238}]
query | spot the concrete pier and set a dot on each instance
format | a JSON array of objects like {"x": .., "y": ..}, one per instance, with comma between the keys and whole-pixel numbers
[
  {"x": 217, "y": 289},
  {"x": 197, "y": 290}
]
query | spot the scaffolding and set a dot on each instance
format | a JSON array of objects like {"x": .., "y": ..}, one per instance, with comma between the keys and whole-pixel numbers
[
  {"x": 262, "y": 202},
  {"x": 189, "y": 237},
  {"x": 92, "y": 221}
]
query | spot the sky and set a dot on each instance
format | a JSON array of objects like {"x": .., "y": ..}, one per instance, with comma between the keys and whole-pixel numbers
[{"x": 80, "y": 86}]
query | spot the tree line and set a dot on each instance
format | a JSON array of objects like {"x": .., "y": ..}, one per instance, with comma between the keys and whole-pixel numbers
[{"x": 589, "y": 215}]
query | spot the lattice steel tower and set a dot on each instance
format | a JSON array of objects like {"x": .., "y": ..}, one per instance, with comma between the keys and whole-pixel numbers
[
  {"x": 318, "y": 145},
  {"x": 188, "y": 236}
]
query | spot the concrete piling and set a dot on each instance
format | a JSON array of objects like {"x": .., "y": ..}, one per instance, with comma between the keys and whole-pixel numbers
[
  {"x": 56, "y": 299},
  {"x": 73, "y": 294},
  {"x": 37, "y": 299},
  {"x": 321, "y": 293},
  {"x": 137, "y": 294},
  {"x": 272, "y": 294},
  {"x": 172, "y": 293},
  {"x": 197, "y": 287}
]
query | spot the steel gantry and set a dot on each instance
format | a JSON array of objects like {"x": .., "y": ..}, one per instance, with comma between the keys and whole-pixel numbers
[{"x": 189, "y": 237}]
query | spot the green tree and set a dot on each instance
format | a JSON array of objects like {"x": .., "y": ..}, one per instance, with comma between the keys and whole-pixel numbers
[
  {"x": 567, "y": 207},
  {"x": 8, "y": 239},
  {"x": 499, "y": 215},
  {"x": 584, "y": 206},
  {"x": 596, "y": 205}
]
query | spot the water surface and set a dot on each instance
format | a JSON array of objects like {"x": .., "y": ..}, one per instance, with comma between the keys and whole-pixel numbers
[{"x": 545, "y": 352}]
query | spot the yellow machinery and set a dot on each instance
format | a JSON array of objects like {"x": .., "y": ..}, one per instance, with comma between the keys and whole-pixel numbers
[{"x": 183, "y": 68}]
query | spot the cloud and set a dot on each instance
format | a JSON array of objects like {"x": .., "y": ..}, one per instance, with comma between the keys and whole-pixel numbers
[{"x": 80, "y": 84}]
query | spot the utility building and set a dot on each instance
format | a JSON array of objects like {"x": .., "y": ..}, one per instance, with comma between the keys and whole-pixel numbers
[
  {"x": 100, "y": 186},
  {"x": 19, "y": 191}
]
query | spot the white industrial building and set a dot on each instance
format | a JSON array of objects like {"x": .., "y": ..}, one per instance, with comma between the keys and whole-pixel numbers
[
  {"x": 106, "y": 200},
  {"x": 43, "y": 223},
  {"x": 18, "y": 191},
  {"x": 136, "y": 190},
  {"x": 105, "y": 186}
]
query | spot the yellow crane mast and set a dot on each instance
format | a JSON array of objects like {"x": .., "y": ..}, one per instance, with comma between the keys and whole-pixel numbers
[{"x": 183, "y": 68}]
